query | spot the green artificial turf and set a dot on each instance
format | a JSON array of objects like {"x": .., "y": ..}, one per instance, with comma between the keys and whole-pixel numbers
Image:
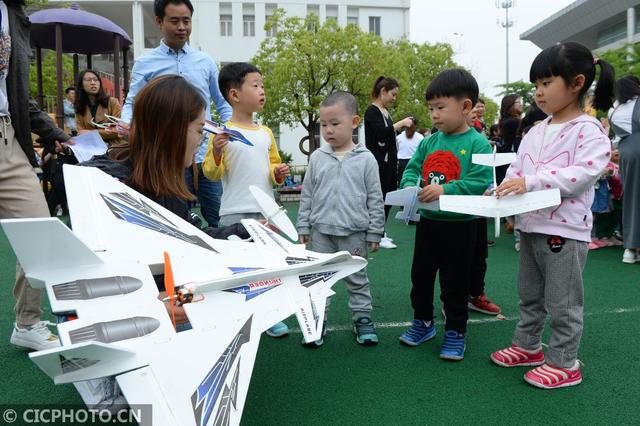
[{"x": 388, "y": 384}]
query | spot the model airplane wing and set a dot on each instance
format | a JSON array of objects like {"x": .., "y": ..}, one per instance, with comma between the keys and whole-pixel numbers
[
  {"x": 195, "y": 377},
  {"x": 275, "y": 214},
  {"x": 407, "y": 198}
]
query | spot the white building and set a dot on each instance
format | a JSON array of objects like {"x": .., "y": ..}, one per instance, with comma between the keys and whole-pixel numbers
[{"x": 232, "y": 31}]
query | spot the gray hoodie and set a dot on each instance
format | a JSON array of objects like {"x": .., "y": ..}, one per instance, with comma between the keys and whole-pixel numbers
[{"x": 342, "y": 197}]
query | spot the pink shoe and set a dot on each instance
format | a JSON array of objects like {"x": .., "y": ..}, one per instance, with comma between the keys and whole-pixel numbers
[
  {"x": 600, "y": 243},
  {"x": 515, "y": 356},
  {"x": 611, "y": 241},
  {"x": 548, "y": 377},
  {"x": 593, "y": 246}
]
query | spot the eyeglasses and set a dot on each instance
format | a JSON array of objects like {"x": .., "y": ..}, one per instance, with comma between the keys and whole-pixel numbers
[{"x": 91, "y": 80}]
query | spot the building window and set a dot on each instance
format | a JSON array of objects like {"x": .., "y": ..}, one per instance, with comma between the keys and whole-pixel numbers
[
  {"x": 313, "y": 9},
  {"x": 374, "y": 25},
  {"x": 332, "y": 13},
  {"x": 269, "y": 10},
  {"x": 226, "y": 20},
  {"x": 352, "y": 16},
  {"x": 248, "y": 20},
  {"x": 249, "y": 25}
]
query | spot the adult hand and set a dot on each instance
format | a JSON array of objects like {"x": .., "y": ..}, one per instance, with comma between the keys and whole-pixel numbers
[
  {"x": 430, "y": 193},
  {"x": 513, "y": 186},
  {"x": 281, "y": 171},
  {"x": 407, "y": 122},
  {"x": 304, "y": 239},
  {"x": 122, "y": 128},
  {"x": 373, "y": 247},
  {"x": 181, "y": 315}
]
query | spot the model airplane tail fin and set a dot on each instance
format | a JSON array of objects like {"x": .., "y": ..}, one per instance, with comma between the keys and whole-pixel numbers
[
  {"x": 50, "y": 236},
  {"x": 85, "y": 361}
]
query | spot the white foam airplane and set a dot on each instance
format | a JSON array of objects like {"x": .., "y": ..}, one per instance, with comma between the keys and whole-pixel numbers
[
  {"x": 497, "y": 207},
  {"x": 407, "y": 198},
  {"x": 102, "y": 272}
]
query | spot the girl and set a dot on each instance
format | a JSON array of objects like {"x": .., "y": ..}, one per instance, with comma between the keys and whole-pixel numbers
[
  {"x": 92, "y": 104},
  {"x": 380, "y": 138},
  {"x": 568, "y": 151}
]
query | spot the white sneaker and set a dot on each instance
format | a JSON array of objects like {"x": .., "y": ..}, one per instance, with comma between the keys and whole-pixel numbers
[
  {"x": 517, "y": 246},
  {"x": 630, "y": 256},
  {"x": 387, "y": 243},
  {"x": 387, "y": 237},
  {"x": 37, "y": 337}
]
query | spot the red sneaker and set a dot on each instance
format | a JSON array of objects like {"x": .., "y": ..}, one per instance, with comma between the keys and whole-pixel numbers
[
  {"x": 548, "y": 377},
  {"x": 516, "y": 357},
  {"x": 484, "y": 305}
]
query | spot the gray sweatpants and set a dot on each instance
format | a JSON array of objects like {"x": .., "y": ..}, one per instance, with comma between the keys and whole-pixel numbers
[
  {"x": 357, "y": 283},
  {"x": 550, "y": 281}
]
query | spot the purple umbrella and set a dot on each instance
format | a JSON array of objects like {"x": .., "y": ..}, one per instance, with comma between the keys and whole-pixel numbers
[{"x": 82, "y": 32}]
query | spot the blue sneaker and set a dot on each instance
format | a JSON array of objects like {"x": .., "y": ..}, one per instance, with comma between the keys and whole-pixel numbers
[
  {"x": 365, "y": 332},
  {"x": 278, "y": 330},
  {"x": 419, "y": 332},
  {"x": 453, "y": 346}
]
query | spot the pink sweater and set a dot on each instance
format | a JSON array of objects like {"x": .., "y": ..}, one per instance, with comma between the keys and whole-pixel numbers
[{"x": 571, "y": 162}]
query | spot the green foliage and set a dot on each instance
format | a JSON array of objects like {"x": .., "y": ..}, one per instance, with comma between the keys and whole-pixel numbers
[
  {"x": 625, "y": 60},
  {"x": 49, "y": 74},
  {"x": 285, "y": 157},
  {"x": 305, "y": 61},
  {"x": 491, "y": 111},
  {"x": 521, "y": 88}
]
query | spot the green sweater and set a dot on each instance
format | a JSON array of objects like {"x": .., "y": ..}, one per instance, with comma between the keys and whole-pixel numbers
[{"x": 446, "y": 160}]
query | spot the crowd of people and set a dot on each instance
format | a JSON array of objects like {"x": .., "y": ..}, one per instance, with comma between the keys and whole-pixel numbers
[{"x": 173, "y": 161}]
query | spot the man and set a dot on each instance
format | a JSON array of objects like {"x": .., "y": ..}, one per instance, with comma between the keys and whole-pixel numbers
[
  {"x": 20, "y": 192},
  {"x": 175, "y": 56},
  {"x": 70, "y": 110}
]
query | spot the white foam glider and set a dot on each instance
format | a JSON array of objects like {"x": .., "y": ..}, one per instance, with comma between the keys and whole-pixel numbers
[
  {"x": 102, "y": 272},
  {"x": 407, "y": 198},
  {"x": 275, "y": 214},
  {"x": 492, "y": 206}
]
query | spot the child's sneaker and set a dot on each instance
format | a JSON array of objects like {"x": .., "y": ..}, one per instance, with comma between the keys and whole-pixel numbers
[
  {"x": 278, "y": 330},
  {"x": 484, "y": 305},
  {"x": 630, "y": 256},
  {"x": 319, "y": 342},
  {"x": 419, "y": 332},
  {"x": 365, "y": 332},
  {"x": 548, "y": 377},
  {"x": 515, "y": 356},
  {"x": 37, "y": 336},
  {"x": 453, "y": 346}
]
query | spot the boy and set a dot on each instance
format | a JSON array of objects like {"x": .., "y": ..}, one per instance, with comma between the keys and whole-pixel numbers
[
  {"x": 341, "y": 205},
  {"x": 446, "y": 242},
  {"x": 240, "y": 165}
]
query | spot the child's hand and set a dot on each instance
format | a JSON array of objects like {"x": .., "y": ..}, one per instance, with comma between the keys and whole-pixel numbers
[
  {"x": 513, "y": 186},
  {"x": 304, "y": 239},
  {"x": 373, "y": 246},
  {"x": 615, "y": 156},
  {"x": 430, "y": 193},
  {"x": 219, "y": 142},
  {"x": 281, "y": 171}
]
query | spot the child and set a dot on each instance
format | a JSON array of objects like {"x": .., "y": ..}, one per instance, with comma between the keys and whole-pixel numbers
[
  {"x": 607, "y": 194},
  {"x": 240, "y": 165},
  {"x": 446, "y": 242},
  {"x": 568, "y": 151},
  {"x": 341, "y": 205}
]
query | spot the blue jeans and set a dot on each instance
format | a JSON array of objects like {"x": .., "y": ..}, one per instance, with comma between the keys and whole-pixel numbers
[{"x": 209, "y": 194}]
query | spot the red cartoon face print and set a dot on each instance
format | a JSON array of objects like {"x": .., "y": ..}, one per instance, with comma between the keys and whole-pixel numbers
[{"x": 440, "y": 167}]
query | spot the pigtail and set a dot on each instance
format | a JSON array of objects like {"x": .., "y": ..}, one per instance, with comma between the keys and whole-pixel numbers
[{"x": 603, "y": 95}]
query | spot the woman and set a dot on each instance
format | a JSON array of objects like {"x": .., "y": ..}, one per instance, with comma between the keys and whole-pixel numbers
[
  {"x": 92, "y": 105},
  {"x": 510, "y": 112},
  {"x": 159, "y": 150},
  {"x": 625, "y": 122},
  {"x": 380, "y": 138}
]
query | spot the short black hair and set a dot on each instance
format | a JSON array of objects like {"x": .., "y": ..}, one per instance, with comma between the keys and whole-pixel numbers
[
  {"x": 453, "y": 83},
  {"x": 68, "y": 89},
  {"x": 232, "y": 76},
  {"x": 627, "y": 88},
  {"x": 160, "y": 5},
  {"x": 345, "y": 98}
]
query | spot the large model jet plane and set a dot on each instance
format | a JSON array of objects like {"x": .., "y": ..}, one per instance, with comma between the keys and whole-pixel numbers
[{"x": 103, "y": 271}]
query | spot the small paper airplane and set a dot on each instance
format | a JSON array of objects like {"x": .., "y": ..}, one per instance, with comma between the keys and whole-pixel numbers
[
  {"x": 217, "y": 129},
  {"x": 497, "y": 207},
  {"x": 407, "y": 198}
]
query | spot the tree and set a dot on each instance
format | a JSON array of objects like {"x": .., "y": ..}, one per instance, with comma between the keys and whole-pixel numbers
[
  {"x": 305, "y": 61},
  {"x": 521, "y": 88},
  {"x": 49, "y": 87},
  {"x": 625, "y": 60},
  {"x": 491, "y": 110}
]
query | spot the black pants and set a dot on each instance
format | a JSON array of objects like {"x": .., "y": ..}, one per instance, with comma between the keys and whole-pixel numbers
[
  {"x": 447, "y": 248},
  {"x": 402, "y": 164},
  {"x": 476, "y": 288}
]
